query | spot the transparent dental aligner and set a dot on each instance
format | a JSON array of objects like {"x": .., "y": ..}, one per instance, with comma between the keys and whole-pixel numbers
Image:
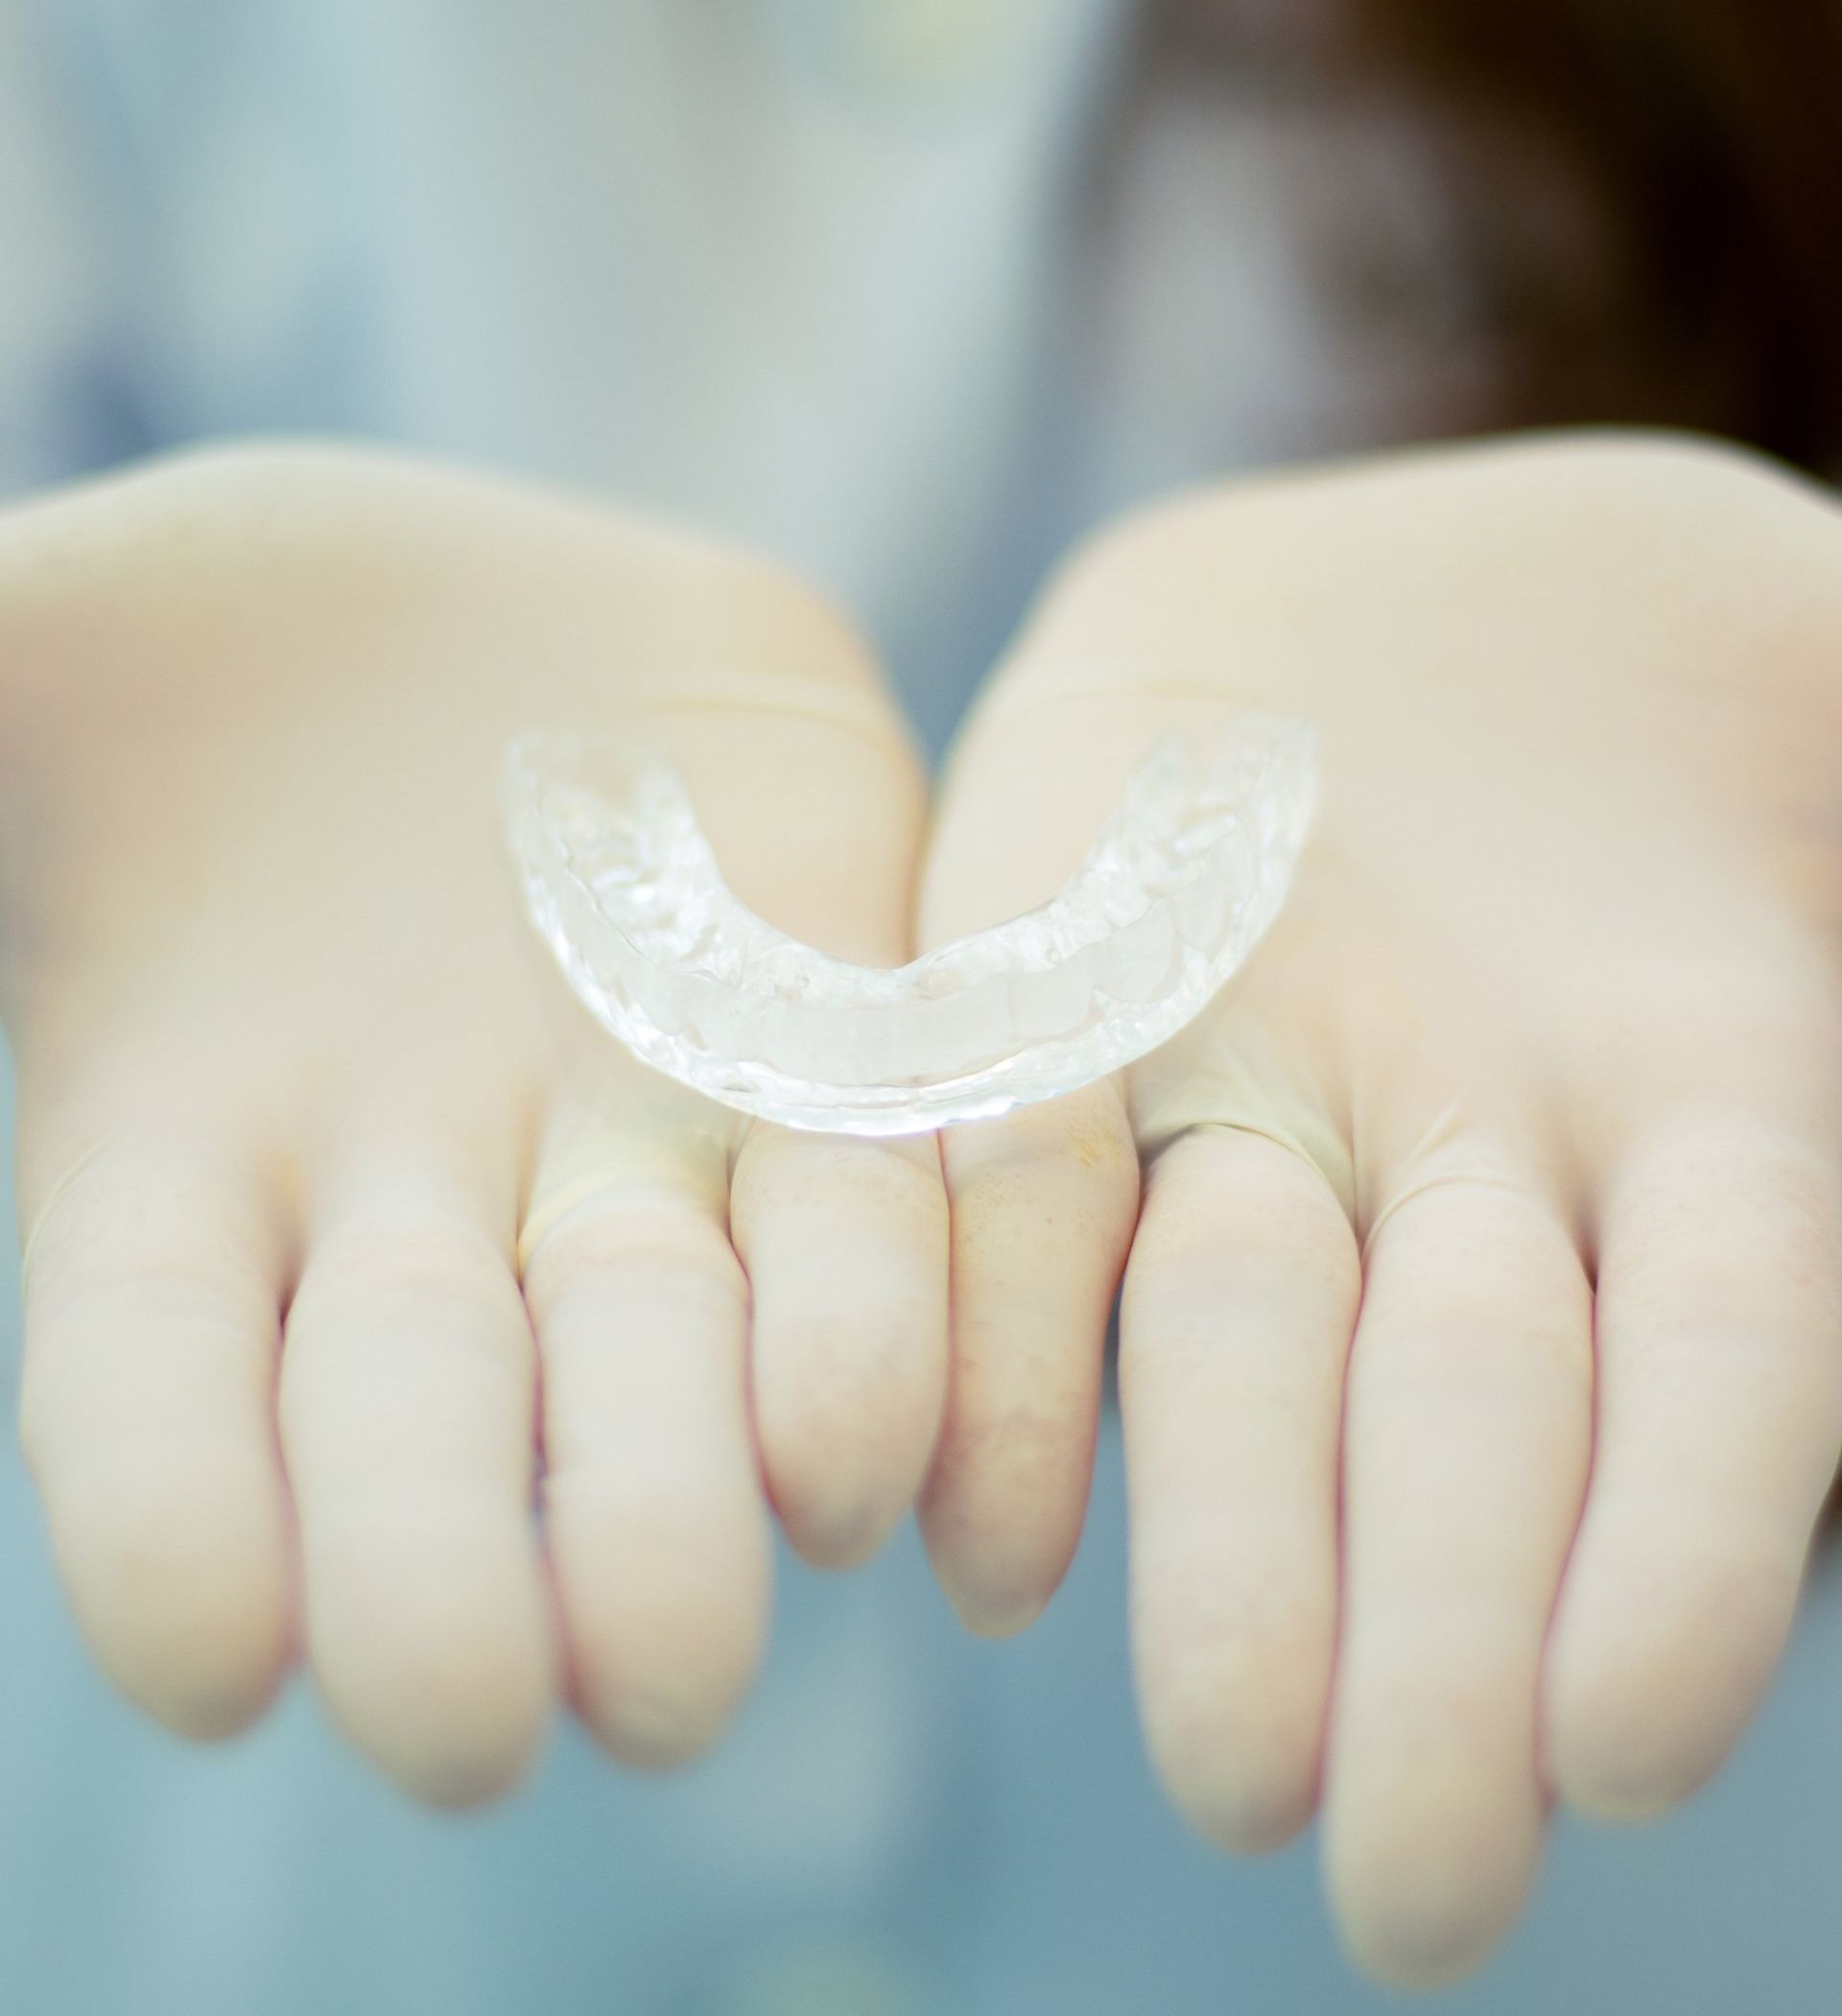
[{"x": 623, "y": 887}]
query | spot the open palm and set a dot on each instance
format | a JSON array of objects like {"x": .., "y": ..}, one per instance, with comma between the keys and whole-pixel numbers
[
  {"x": 1481, "y": 1335},
  {"x": 346, "y": 1243}
]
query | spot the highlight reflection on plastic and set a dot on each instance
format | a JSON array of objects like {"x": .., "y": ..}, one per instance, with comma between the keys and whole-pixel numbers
[{"x": 1176, "y": 890}]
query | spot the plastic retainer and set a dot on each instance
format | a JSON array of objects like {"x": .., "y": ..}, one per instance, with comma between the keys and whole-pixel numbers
[{"x": 1173, "y": 894}]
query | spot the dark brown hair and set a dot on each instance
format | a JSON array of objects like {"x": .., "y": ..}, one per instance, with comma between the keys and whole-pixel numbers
[{"x": 1710, "y": 131}]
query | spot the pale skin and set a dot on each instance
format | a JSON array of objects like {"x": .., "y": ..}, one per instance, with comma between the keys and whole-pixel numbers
[
  {"x": 1420, "y": 1527},
  {"x": 292, "y": 1088},
  {"x": 1481, "y": 1249}
]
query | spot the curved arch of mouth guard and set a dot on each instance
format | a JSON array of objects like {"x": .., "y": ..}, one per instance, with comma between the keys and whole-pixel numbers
[{"x": 624, "y": 890}]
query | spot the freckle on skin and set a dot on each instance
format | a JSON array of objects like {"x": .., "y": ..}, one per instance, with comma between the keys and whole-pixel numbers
[{"x": 1089, "y": 1149}]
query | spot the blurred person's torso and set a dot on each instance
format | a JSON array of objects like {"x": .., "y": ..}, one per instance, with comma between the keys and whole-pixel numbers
[{"x": 896, "y": 292}]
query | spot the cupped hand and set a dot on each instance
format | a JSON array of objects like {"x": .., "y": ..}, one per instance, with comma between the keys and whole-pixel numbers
[
  {"x": 1481, "y": 1336},
  {"x": 346, "y": 1234}
]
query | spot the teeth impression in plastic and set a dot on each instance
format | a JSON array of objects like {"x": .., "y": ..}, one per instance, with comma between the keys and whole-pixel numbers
[{"x": 624, "y": 890}]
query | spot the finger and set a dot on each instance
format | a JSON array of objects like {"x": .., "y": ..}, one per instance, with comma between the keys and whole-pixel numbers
[
  {"x": 658, "y": 1535},
  {"x": 1043, "y": 1204},
  {"x": 154, "y": 1283},
  {"x": 1719, "y": 1416},
  {"x": 1239, "y": 1298},
  {"x": 1465, "y": 1449},
  {"x": 844, "y": 1243},
  {"x": 407, "y": 1423},
  {"x": 845, "y": 1247}
]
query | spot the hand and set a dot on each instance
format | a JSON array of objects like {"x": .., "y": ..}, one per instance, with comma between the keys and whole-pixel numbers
[
  {"x": 298, "y": 1120},
  {"x": 1555, "y": 1006}
]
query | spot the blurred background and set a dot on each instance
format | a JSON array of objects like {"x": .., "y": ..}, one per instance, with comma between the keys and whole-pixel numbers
[{"x": 909, "y": 294}]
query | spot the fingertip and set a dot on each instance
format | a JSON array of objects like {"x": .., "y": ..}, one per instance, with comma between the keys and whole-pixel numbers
[
  {"x": 1432, "y": 1836},
  {"x": 1620, "y": 1750},
  {"x": 990, "y": 1610},
  {"x": 1001, "y": 1510},
  {"x": 998, "y": 1581},
  {"x": 1643, "y": 1701},
  {"x": 432, "y": 1640},
  {"x": 457, "y": 1746},
  {"x": 832, "y": 1522},
  {"x": 454, "y": 1746},
  {"x": 145, "y": 1421},
  {"x": 208, "y": 1698},
  {"x": 664, "y": 1599},
  {"x": 1238, "y": 1753},
  {"x": 1418, "y": 1945},
  {"x": 659, "y": 1687},
  {"x": 458, "y": 1768},
  {"x": 1256, "y": 1812},
  {"x": 847, "y": 1421},
  {"x": 846, "y": 1438},
  {"x": 1003, "y": 1507},
  {"x": 181, "y": 1586},
  {"x": 1604, "y": 1784},
  {"x": 1420, "y": 1923},
  {"x": 1600, "y": 1756},
  {"x": 1432, "y": 1825},
  {"x": 663, "y": 1732}
]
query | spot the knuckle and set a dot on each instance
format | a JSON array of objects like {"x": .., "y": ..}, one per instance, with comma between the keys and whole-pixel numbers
[
  {"x": 1269, "y": 1221},
  {"x": 678, "y": 1252},
  {"x": 403, "y": 1257}
]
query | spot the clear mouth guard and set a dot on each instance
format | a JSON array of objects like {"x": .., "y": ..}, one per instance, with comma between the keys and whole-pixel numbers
[{"x": 1182, "y": 881}]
